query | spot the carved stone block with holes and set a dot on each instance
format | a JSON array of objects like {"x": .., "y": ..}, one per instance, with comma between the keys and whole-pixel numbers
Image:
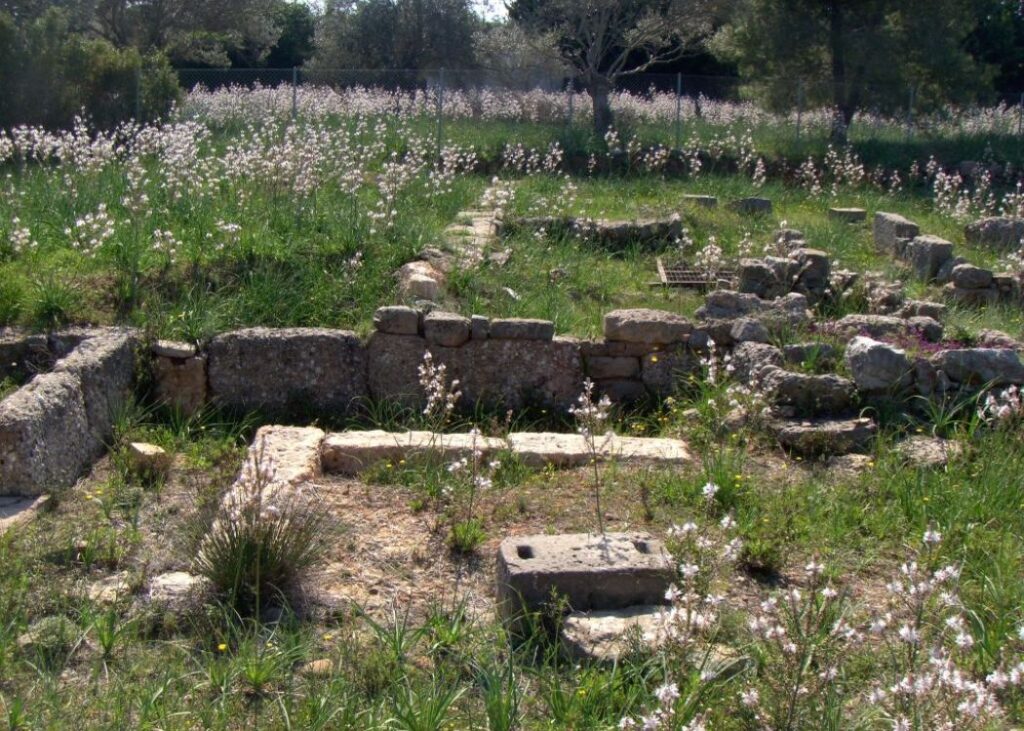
[{"x": 587, "y": 571}]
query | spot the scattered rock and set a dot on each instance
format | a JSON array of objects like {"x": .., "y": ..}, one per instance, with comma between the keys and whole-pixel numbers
[
  {"x": 749, "y": 358},
  {"x": 446, "y": 329},
  {"x": 397, "y": 320},
  {"x": 176, "y": 591},
  {"x": 928, "y": 452},
  {"x": 149, "y": 460},
  {"x": 801, "y": 394},
  {"x": 876, "y": 367},
  {"x": 824, "y": 436},
  {"x": 926, "y": 255},
  {"x": 889, "y": 228},
  {"x": 110, "y": 590},
  {"x": 653, "y": 327},
  {"x": 1001, "y": 232},
  {"x": 981, "y": 366},
  {"x": 747, "y": 329},
  {"x": 758, "y": 206},
  {"x": 704, "y": 201},
  {"x": 608, "y": 635},
  {"x": 968, "y": 276},
  {"x": 848, "y": 215}
]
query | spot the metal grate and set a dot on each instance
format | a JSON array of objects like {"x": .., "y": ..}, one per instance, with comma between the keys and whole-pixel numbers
[{"x": 681, "y": 274}]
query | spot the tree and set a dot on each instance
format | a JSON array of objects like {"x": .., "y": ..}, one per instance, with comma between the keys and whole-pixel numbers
[
  {"x": 295, "y": 44},
  {"x": 604, "y": 40},
  {"x": 854, "y": 53},
  {"x": 396, "y": 34}
]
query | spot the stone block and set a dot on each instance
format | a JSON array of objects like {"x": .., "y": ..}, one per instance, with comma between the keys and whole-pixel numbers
[
  {"x": 971, "y": 297},
  {"x": 651, "y": 327},
  {"x": 173, "y": 349},
  {"x": 180, "y": 382},
  {"x": 848, "y": 215},
  {"x": 505, "y": 374},
  {"x": 877, "y": 367},
  {"x": 479, "y": 327},
  {"x": 148, "y": 460},
  {"x": 748, "y": 358},
  {"x": 662, "y": 372},
  {"x": 588, "y": 571},
  {"x": 806, "y": 395},
  {"x": 756, "y": 206},
  {"x": 45, "y": 439},
  {"x": 522, "y": 329},
  {"x": 284, "y": 371},
  {"x": 446, "y": 329},
  {"x": 968, "y": 276},
  {"x": 817, "y": 437},
  {"x": 606, "y": 636},
  {"x": 105, "y": 368},
  {"x": 998, "y": 232},
  {"x": 704, "y": 201},
  {"x": 981, "y": 366},
  {"x": 621, "y": 390},
  {"x": 747, "y": 329},
  {"x": 599, "y": 367},
  {"x": 349, "y": 453},
  {"x": 397, "y": 320},
  {"x": 926, "y": 255},
  {"x": 888, "y": 228}
]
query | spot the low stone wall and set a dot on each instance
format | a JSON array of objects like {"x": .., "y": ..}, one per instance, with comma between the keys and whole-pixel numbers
[
  {"x": 53, "y": 428},
  {"x": 932, "y": 259}
]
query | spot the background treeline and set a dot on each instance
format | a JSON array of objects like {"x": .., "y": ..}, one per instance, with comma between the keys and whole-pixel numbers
[{"x": 117, "y": 59}]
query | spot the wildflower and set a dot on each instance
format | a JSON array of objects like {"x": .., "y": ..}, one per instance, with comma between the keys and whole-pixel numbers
[{"x": 709, "y": 490}]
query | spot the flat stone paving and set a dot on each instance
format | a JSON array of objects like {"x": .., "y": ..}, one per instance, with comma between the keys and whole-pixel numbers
[
  {"x": 17, "y": 510},
  {"x": 352, "y": 452}
]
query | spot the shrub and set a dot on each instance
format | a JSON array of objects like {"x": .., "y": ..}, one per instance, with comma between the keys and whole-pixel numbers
[{"x": 264, "y": 539}]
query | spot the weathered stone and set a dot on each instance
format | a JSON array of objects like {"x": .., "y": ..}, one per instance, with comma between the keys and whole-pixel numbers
[
  {"x": 848, "y": 215},
  {"x": 884, "y": 298},
  {"x": 754, "y": 276},
  {"x": 608, "y": 635},
  {"x": 890, "y": 227},
  {"x": 752, "y": 205},
  {"x": 105, "y": 368},
  {"x": 928, "y": 452},
  {"x": 540, "y": 449},
  {"x": 176, "y": 591},
  {"x": 295, "y": 452},
  {"x": 927, "y": 327},
  {"x": 421, "y": 287},
  {"x": 747, "y": 329},
  {"x": 397, "y": 320},
  {"x": 877, "y": 367},
  {"x": 981, "y": 366},
  {"x": 446, "y": 329},
  {"x": 822, "y": 355},
  {"x": 724, "y": 304},
  {"x": 350, "y": 453},
  {"x": 804, "y": 394},
  {"x": 420, "y": 280},
  {"x": 662, "y": 372},
  {"x": 279, "y": 372},
  {"x": 704, "y": 201},
  {"x": 148, "y": 460},
  {"x": 608, "y": 367},
  {"x": 110, "y": 589},
  {"x": 824, "y": 436},
  {"x": 479, "y": 327},
  {"x": 180, "y": 382},
  {"x": 172, "y": 349},
  {"x": 621, "y": 390},
  {"x": 945, "y": 273},
  {"x": 321, "y": 668},
  {"x": 522, "y": 329},
  {"x": 968, "y": 276},
  {"x": 971, "y": 297},
  {"x": 920, "y": 308},
  {"x": 45, "y": 440},
  {"x": 1001, "y": 232},
  {"x": 588, "y": 571},
  {"x": 926, "y": 255},
  {"x": 15, "y": 511},
  {"x": 615, "y": 349},
  {"x": 997, "y": 339},
  {"x": 813, "y": 269},
  {"x": 875, "y": 326},
  {"x": 653, "y": 327},
  {"x": 748, "y": 358},
  {"x": 486, "y": 370}
]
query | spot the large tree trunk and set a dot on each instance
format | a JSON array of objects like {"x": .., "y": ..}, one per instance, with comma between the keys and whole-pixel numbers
[
  {"x": 599, "y": 90},
  {"x": 843, "y": 110}
]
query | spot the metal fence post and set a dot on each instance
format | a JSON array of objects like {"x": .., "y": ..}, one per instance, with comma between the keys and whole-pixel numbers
[
  {"x": 295, "y": 93},
  {"x": 440, "y": 110},
  {"x": 1020, "y": 115},
  {"x": 910, "y": 112},
  {"x": 138, "y": 93},
  {"x": 799, "y": 109},
  {"x": 571, "y": 113},
  {"x": 679, "y": 110}
]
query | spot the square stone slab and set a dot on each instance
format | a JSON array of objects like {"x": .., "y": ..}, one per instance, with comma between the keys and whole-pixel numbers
[{"x": 589, "y": 571}]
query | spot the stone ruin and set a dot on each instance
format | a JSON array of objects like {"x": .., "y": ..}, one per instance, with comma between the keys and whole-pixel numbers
[{"x": 931, "y": 259}]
